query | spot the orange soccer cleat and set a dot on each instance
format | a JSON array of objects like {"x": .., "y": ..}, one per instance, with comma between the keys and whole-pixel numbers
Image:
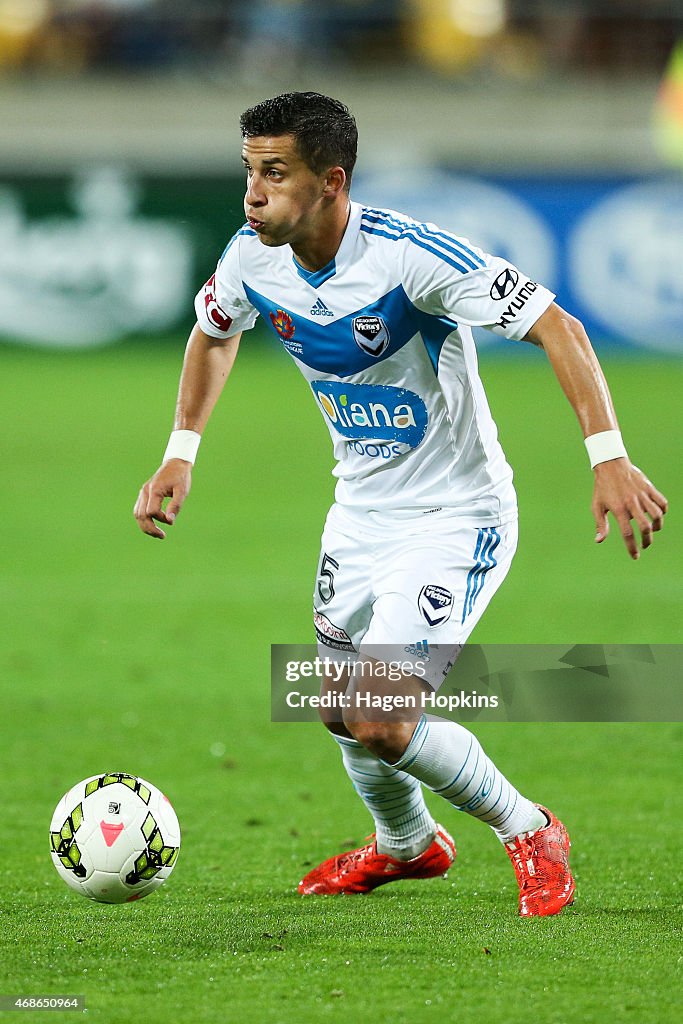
[
  {"x": 362, "y": 870},
  {"x": 541, "y": 863}
]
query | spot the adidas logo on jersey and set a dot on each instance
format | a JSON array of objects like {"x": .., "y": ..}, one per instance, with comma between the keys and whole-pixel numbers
[{"x": 320, "y": 309}]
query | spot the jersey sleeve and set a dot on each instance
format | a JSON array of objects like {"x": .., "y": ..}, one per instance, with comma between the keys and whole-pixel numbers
[
  {"x": 222, "y": 306},
  {"x": 446, "y": 275}
]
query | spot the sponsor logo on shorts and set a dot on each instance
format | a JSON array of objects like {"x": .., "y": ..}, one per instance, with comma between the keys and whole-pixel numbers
[
  {"x": 371, "y": 334},
  {"x": 331, "y": 635},
  {"x": 435, "y": 603},
  {"x": 372, "y": 412},
  {"x": 418, "y": 650},
  {"x": 504, "y": 283}
]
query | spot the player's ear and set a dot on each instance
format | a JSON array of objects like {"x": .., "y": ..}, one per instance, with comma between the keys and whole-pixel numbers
[{"x": 335, "y": 180}]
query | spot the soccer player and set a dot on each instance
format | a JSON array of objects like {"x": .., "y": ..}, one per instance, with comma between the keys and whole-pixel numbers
[{"x": 376, "y": 311}]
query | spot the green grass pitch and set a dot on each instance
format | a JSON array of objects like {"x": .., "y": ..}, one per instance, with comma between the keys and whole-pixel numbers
[{"x": 121, "y": 653}]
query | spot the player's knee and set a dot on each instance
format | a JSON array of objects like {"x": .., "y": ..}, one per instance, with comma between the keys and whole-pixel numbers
[
  {"x": 335, "y": 726},
  {"x": 387, "y": 740}
]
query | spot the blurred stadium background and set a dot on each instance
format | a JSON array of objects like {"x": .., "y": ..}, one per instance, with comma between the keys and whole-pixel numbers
[{"x": 549, "y": 131}]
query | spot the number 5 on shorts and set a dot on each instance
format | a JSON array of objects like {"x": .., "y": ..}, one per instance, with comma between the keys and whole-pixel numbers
[{"x": 326, "y": 579}]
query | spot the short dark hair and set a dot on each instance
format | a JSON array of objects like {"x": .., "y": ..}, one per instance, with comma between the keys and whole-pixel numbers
[{"x": 325, "y": 131}]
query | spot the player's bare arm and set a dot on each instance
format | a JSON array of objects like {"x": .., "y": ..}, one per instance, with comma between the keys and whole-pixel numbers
[
  {"x": 207, "y": 365},
  {"x": 620, "y": 487}
]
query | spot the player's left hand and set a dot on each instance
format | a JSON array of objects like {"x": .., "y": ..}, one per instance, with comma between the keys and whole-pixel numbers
[{"x": 621, "y": 488}]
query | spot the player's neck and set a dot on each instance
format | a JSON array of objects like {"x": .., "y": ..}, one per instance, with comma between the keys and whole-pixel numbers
[{"x": 316, "y": 250}]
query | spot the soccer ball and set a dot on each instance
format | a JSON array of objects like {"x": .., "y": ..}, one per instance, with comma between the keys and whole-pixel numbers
[{"x": 114, "y": 838}]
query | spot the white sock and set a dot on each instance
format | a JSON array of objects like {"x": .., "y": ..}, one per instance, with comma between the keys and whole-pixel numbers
[
  {"x": 403, "y": 825},
  {"x": 450, "y": 761}
]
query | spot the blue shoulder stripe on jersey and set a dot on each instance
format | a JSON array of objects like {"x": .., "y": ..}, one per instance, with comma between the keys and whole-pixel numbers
[
  {"x": 416, "y": 241},
  {"x": 244, "y": 230},
  {"x": 316, "y": 278},
  {"x": 412, "y": 237},
  {"x": 414, "y": 231},
  {"x": 444, "y": 239}
]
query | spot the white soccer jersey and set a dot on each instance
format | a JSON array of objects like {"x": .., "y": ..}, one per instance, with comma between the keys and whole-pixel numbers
[{"x": 382, "y": 334}]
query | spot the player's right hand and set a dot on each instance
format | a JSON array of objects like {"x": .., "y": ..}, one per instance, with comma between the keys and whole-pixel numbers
[{"x": 172, "y": 480}]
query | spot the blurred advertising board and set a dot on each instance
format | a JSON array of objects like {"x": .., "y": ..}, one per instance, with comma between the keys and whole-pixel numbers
[{"x": 107, "y": 254}]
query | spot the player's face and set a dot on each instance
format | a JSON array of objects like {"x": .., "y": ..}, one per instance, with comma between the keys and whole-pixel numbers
[{"x": 284, "y": 197}]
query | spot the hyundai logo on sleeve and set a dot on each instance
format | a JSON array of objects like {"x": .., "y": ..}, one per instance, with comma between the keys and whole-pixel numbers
[{"x": 504, "y": 283}]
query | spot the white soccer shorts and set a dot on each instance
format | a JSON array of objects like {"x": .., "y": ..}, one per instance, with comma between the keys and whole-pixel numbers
[{"x": 406, "y": 586}]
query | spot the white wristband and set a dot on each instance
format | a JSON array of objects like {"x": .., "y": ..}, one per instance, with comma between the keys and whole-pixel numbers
[
  {"x": 605, "y": 446},
  {"x": 182, "y": 444}
]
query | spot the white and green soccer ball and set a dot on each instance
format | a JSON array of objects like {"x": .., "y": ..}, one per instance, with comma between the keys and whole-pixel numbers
[{"x": 114, "y": 838}]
